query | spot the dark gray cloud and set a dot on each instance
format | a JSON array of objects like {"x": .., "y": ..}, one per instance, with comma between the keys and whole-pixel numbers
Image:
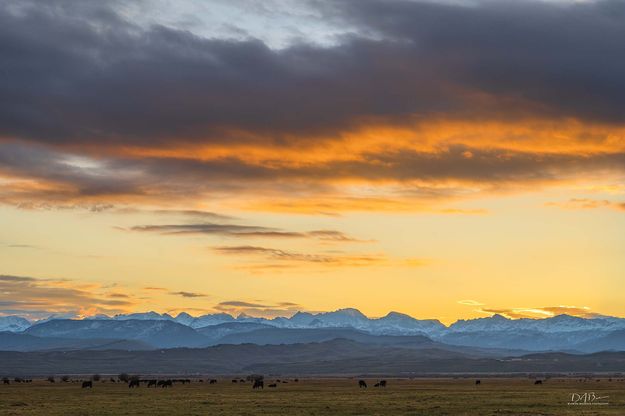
[
  {"x": 205, "y": 228},
  {"x": 259, "y": 308},
  {"x": 26, "y": 246},
  {"x": 189, "y": 294},
  {"x": 9, "y": 278},
  {"x": 82, "y": 82},
  {"x": 249, "y": 231},
  {"x": 292, "y": 257},
  {"x": 558, "y": 58},
  {"x": 83, "y": 75},
  {"x": 242, "y": 304}
]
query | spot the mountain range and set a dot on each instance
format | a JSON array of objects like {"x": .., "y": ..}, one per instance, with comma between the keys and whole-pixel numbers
[{"x": 152, "y": 330}]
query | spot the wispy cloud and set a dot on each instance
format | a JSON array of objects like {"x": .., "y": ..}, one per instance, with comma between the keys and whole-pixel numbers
[
  {"x": 259, "y": 308},
  {"x": 542, "y": 312},
  {"x": 470, "y": 302},
  {"x": 247, "y": 231},
  {"x": 293, "y": 258},
  {"x": 39, "y": 298},
  {"x": 588, "y": 203},
  {"x": 189, "y": 294}
]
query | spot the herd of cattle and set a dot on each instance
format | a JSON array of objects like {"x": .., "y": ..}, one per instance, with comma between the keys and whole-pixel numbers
[
  {"x": 134, "y": 381},
  {"x": 257, "y": 381}
]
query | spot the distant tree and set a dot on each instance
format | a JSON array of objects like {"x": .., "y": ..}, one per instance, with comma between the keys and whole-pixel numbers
[
  {"x": 65, "y": 379},
  {"x": 96, "y": 377},
  {"x": 124, "y": 377}
]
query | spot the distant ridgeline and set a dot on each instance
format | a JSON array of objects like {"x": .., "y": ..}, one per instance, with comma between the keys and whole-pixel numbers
[{"x": 145, "y": 331}]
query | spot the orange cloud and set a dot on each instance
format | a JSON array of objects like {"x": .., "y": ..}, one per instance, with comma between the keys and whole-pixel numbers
[
  {"x": 588, "y": 203},
  {"x": 542, "y": 312}
]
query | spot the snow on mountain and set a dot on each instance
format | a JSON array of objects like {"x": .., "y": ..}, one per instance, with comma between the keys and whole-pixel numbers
[
  {"x": 399, "y": 323},
  {"x": 208, "y": 320},
  {"x": 394, "y": 323},
  {"x": 559, "y": 323},
  {"x": 159, "y": 333},
  {"x": 13, "y": 323},
  {"x": 145, "y": 316},
  {"x": 184, "y": 318}
]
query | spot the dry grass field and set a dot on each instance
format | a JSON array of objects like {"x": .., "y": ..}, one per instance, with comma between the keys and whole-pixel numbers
[{"x": 494, "y": 396}]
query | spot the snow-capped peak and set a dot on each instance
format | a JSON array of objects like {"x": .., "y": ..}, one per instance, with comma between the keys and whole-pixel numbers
[{"x": 13, "y": 323}]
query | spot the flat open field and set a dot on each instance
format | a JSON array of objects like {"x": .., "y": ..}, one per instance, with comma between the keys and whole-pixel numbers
[{"x": 495, "y": 396}]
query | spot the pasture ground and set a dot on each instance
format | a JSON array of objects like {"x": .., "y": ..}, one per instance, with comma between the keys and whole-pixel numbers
[{"x": 495, "y": 396}]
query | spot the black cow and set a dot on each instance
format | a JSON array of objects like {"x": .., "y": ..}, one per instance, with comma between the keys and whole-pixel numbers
[
  {"x": 382, "y": 383},
  {"x": 538, "y": 382},
  {"x": 87, "y": 384},
  {"x": 478, "y": 382},
  {"x": 5, "y": 381},
  {"x": 165, "y": 383},
  {"x": 212, "y": 381},
  {"x": 133, "y": 383},
  {"x": 152, "y": 383},
  {"x": 273, "y": 385},
  {"x": 362, "y": 384},
  {"x": 235, "y": 381},
  {"x": 258, "y": 384},
  {"x": 376, "y": 385}
]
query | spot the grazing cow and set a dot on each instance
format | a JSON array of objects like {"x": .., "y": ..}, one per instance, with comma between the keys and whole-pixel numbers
[
  {"x": 133, "y": 383},
  {"x": 284, "y": 382},
  {"x": 112, "y": 380},
  {"x": 296, "y": 380},
  {"x": 166, "y": 383},
  {"x": 235, "y": 381},
  {"x": 212, "y": 381},
  {"x": 258, "y": 384},
  {"x": 273, "y": 385},
  {"x": 241, "y": 381},
  {"x": 382, "y": 383},
  {"x": 538, "y": 382},
  {"x": 6, "y": 381},
  {"x": 362, "y": 384},
  {"x": 376, "y": 385},
  {"x": 478, "y": 382},
  {"x": 87, "y": 384},
  {"x": 152, "y": 383}
]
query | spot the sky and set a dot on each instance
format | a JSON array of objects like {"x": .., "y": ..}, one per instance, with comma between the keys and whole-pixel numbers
[{"x": 443, "y": 159}]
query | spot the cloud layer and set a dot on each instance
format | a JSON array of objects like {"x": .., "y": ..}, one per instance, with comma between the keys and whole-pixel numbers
[{"x": 439, "y": 100}]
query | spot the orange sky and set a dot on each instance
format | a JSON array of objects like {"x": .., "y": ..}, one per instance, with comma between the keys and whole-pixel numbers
[{"x": 361, "y": 163}]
